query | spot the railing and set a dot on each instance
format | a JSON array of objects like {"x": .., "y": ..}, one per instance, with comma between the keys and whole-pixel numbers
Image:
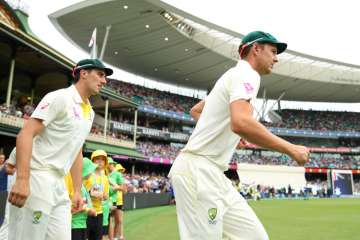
[
  {"x": 19, "y": 123},
  {"x": 149, "y": 132},
  {"x": 11, "y": 120},
  {"x": 165, "y": 113},
  {"x": 313, "y": 133},
  {"x": 110, "y": 140}
]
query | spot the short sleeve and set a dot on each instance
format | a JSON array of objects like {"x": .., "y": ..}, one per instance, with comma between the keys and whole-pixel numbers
[
  {"x": 106, "y": 184},
  {"x": 243, "y": 87},
  {"x": 49, "y": 108},
  {"x": 12, "y": 157},
  {"x": 121, "y": 179},
  {"x": 88, "y": 183}
]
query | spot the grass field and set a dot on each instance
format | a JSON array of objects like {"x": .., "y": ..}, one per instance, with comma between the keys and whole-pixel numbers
[{"x": 316, "y": 219}]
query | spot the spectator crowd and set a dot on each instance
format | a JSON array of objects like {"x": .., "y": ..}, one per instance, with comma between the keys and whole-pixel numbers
[
  {"x": 19, "y": 107},
  {"x": 151, "y": 149},
  {"x": 316, "y": 161},
  {"x": 314, "y": 188},
  {"x": 318, "y": 120},
  {"x": 147, "y": 183},
  {"x": 153, "y": 97}
]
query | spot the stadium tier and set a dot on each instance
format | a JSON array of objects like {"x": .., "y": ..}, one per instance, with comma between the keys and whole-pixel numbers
[
  {"x": 161, "y": 137},
  {"x": 163, "y": 124},
  {"x": 318, "y": 120},
  {"x": 120, "y": 149}
]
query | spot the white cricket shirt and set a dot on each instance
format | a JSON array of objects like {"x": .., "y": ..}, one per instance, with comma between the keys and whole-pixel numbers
[
  {"x": 66, "y": 127},
  {"x": 212, "y": 136}
]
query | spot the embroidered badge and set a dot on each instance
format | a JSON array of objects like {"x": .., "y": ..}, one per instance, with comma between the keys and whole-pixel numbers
[
  {"x": 248, "y": 88},
  {"x": 76, "y": 114},
  {"x": 212, "y": 212},
  {"x": 42, "y": 107},
  {"x": 36, "y": 217}
]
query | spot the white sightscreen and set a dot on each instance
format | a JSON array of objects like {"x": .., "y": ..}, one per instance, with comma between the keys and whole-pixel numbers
[{"x": 276, "y": 176}]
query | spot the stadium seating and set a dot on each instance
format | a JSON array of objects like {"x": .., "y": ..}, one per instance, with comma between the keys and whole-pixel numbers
[{"x": 318, "y": 120}]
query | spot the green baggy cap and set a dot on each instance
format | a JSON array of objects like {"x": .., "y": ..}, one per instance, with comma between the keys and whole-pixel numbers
[
  {"x": 111, "y": 161},
  {"x": 90, "y": 64},
  {"x": 261, "y": 37},
  {"x": 88, "y": 167}
]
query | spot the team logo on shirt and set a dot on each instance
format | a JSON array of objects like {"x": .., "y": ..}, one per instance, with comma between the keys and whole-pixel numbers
[
  {"x": 76, "y": 113},
  {"x": 42, "y": 107},
  {"x": 212, "y": 215},
  {"x": 248, "y": 88},
  {"x": 36, "y": 217}
]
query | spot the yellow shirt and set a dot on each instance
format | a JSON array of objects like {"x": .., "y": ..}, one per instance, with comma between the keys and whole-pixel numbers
[
  {"x": 99, "y": 183},
  {"x": 69, "y": 185},
  {"x": 86, "y": 109},
  {"x": 119, "y": 200}
]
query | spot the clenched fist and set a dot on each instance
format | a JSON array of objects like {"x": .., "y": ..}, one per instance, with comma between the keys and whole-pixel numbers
[
  {"x": 300, "y": 154},
  {"x": 19, "y": 192}
]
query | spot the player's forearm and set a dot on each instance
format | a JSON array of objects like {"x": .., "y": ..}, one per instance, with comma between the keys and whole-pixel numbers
[
  {"x": 195, "y": 115},
  {"x": 24, "y": 143},
  {"x": 76, "y": 171},
  {"x": 196, "y": 110},
  {"x": 256, "y": 133}
]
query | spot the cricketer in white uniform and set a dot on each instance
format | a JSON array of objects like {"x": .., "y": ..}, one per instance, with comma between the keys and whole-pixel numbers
[
  {"x": 10, "y": 170},
  {"x": 47, "y": 149},
  {"x": 208, "y": 206}
]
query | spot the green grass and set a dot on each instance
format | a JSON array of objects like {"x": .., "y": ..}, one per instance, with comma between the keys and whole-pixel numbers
[{"x": 316, "y": 219}]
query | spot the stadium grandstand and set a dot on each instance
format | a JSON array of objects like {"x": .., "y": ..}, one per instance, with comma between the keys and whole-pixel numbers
[
  {"x": 184, "y": 50},
  {"x": 163, "y": 123},
  {"x": 145, "y": 128}
]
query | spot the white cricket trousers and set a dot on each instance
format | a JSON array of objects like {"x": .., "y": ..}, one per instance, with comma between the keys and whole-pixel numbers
[
  {"x": 46, "y": 214},
  {"x": 208, "y": 207}
]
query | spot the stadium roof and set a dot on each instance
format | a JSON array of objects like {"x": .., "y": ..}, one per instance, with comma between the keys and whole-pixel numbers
[{"x": 155, "y": 40}]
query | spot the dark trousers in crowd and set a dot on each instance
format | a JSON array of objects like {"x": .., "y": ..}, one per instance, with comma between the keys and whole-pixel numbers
[
  {"x": 95, "y": 227},
  {"x": 78, "y": 234}
]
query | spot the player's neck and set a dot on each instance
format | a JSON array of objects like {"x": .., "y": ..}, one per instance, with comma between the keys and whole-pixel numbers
[
  {"x": 254, "y": 64},
  {"x": 82, "y": 92}
]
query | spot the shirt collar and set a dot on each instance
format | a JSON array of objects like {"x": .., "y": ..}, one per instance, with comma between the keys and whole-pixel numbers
[
  {"x": 75, "y": 94},
  {"x": 246, "y": 64}
]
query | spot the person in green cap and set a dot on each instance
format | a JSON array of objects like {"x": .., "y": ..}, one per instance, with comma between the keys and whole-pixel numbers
[
  {"x": 98, "y": 187},
  {"x": 49, "y": 146},
  {"x": 207, "y": 205},
  {"x": 116, "y": 182},
  {"x": 106, "y": 206},
  {"x": 79, "y": 216}
]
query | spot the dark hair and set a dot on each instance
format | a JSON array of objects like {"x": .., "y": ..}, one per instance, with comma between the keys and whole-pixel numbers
[
  {"x": 77, "y": 74},
  {"x": 246, "y": 50}
]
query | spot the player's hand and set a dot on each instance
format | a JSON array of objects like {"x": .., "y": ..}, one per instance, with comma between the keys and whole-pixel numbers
[
  {"x": 96, "y": 194},
  {"x": 300, "y": 154},
  {"x": 20, "y": 191},
  {"x": 105, "y": 196},
  {"x": 75, "y": 210},
  {"x": 242, "y": 144},
  {"x": 10, "y": 169},
  {"x": 77, "y": 202},
  {"x": 91, "y": 212}
]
